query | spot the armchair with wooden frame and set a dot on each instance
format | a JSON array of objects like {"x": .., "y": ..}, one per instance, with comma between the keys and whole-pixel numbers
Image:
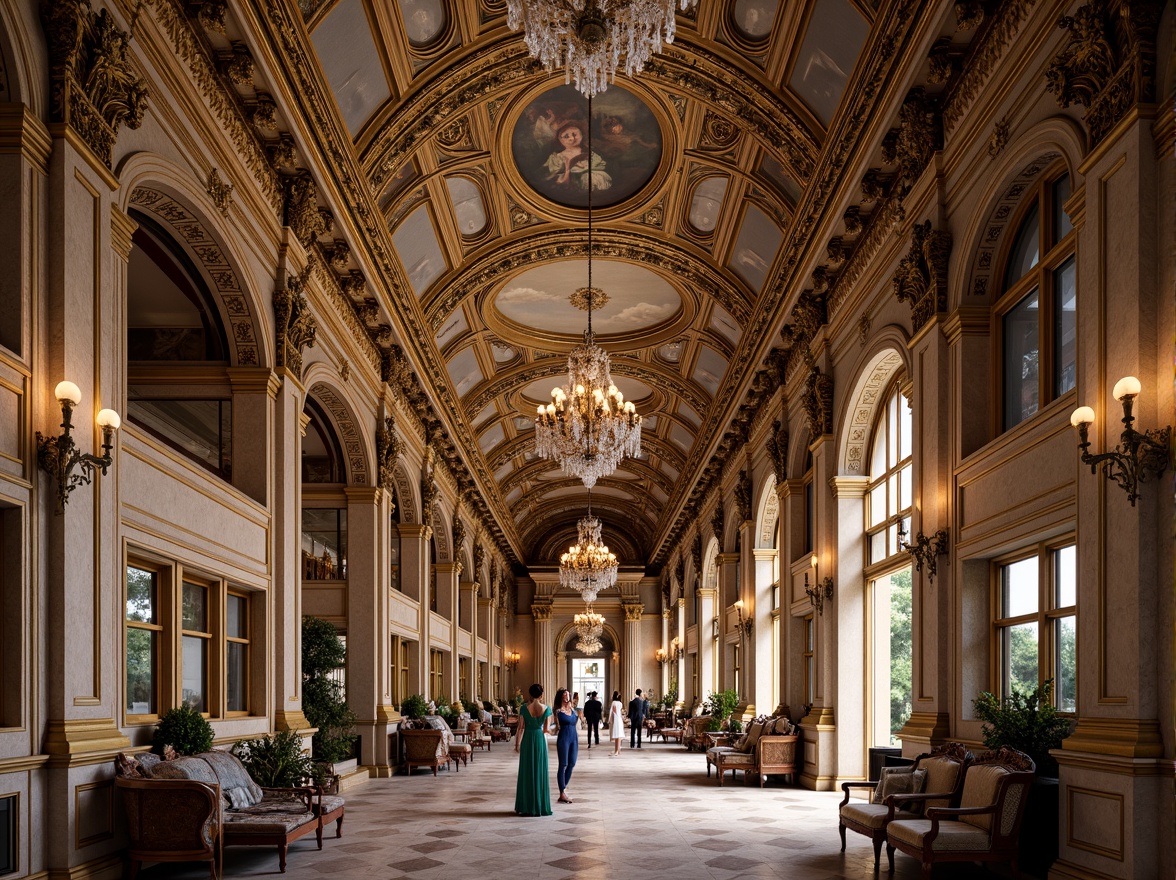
[
  {"x": 942, "y": 780},
  {"x": 985, "y": 827}
]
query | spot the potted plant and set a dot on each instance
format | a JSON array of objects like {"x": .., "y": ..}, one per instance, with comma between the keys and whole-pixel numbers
[
  {"x": 278, "y": 761},
  {"x": 185, "y": 730},
  {"x": 323, "y": 652},
  {"x": 1027, "y": 720},
  {"x": 415, "y": 707},
  {"x": 723, "y": 703}
]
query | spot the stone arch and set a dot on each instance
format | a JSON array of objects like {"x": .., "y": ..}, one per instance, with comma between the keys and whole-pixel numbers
[
  {"x": 1025, "y": 159},
  {"x": 164, "y": 194},
  {"x": 22, "y": 60},
  {"x": 442, "y": 520},
  {"x": 346, "y": 426},
  {"x": 857, "y": 422},
  {"x": 710, "y": 566},
  {"x": 407, "y": 495},
  {"x": 564, "y": 637},
  {"x": 767, "y": 513}
]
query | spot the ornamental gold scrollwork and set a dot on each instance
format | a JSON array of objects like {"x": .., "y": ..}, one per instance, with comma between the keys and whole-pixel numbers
[
  {"x": 818, "y": 403},
  {"x": 778, "y": 450},
  {"x": 295, "y": 325},
  {"x": 93, "y": 86},
  {"x": 717, "y": 520},
  {"x": 743, "y": 497},
  {"x": 921, "y": 276}
]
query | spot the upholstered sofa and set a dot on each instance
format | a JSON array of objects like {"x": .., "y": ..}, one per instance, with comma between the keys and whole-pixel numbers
[
  {"x": 770, "y": 746},
  {"x": 430, "y": 743},
  {"x": 186, "y": 809}
]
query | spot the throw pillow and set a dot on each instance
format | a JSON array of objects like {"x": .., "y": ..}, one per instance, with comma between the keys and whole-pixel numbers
[
  {"x": 239, "y": 798},
  {"x": 127, "y": 767},
  {"x": 899, "y": 780}
]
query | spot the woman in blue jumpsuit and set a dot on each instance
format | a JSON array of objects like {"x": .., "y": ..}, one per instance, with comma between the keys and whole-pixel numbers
[{"x": 567, "y": 743}]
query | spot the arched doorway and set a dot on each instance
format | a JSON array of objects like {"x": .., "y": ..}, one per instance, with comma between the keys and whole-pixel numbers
[{"x": 589, "y": 672}]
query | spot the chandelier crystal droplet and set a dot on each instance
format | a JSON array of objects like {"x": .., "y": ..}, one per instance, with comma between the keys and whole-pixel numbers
[
  {"x": 593, "y": 39},
  {"x": 588, "y": 567}
]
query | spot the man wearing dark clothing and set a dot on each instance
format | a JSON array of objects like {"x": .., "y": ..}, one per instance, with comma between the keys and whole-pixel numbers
[
  {"x": 593, "y": 709},
  {"x": 637, "y": 712}
]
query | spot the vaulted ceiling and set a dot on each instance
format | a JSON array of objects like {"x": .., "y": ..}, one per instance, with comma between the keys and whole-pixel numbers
[{"x": 720, "y": 159}]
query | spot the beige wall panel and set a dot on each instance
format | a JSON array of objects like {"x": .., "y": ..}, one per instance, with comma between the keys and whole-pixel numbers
[
  {"x": 405, "y": 616},
  {"x": 1019, "y": 491},
  {"x": 12, "y": 422},
  {"x": 329, "y": 603},
  {"x": 440, "y": 631},
  {"x": 164, "y": 497},
  {"x": 94, "y": 808},
  {"x": 464, "y": 641},
  {"x": 1095, "y": 821}
]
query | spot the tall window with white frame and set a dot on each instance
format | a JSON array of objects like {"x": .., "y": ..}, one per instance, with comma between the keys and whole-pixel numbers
[
  {"x": 437, "y": 677},
  {"x": 196, "y": 637},
  {"x": 144, "y": 627},
  {"x": 1036, "y": 622},
  {"x": 888, "y": 572},
  {"x": 1036, "y": 315},
  {"x": 808, "y": 657},
  {"x": 237, "y": 642}
]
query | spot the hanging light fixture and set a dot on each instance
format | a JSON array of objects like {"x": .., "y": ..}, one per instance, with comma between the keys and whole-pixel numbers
[
  {"x": 588, "y": 567},
  {"x": 588, "y": 646},
  {"x": 588, "y": 427},
  {"x": 589, "y": 625},
  {"x": 593, "y": 39}
]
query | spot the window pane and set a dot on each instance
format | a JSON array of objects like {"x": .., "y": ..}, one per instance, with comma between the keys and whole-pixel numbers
[
  {"x": 324, "y": 544},
  {"x": 237, "y": 617},
  {"x": 892, "y": 432},
  {"x": 1019, "y": 588},
  {"x": 892, "y": 495},
  {"x": 1019, "y": 650},
  {"x": 1061, "y": 220},
  {"x": 904, "y": 488},
  {"x": 1025, "y": 252},
  {"x": 195, "y": 612},
  {"x": 877, "y": 504},
  {"x": 1066, "y": 664},
  {"x": 235, "y": 677},
  {"x": 1020, "y": 361},
  {"x": 1065, "y": 327},
  {"x": 904, "y": 428},
  {"x": 878, "y": 453},
  {"x": 141, "y": 595},
  {"x": 198, "y": 428},
  {"x": 878, "y": 546},
  {"x": 195, "y": 678},
  {"x": 1065, "y": 577},
  {"x": 140, "y": 671}
]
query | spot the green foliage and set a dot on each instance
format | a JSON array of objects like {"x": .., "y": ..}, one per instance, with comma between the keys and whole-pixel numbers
[
  {"x": 517, "y": 699},
  {"x": 1025, "y": 720},
  {"x": 900, "y": 649},
  {"x": 415, "y": 706},
  {"x": 723, "y": 703},
  {"x": 671, "y": 695},
  {"x": 322, "y": 694},
  {"x": 448, "y": 714},
  {"x": 714, "y": 724},
  {"x": 185, "y": 730},
  {"x": 278, "y": 761},
  {"x": 735, "y": 725}
]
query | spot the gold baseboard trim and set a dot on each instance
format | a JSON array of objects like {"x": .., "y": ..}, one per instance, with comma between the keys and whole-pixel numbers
[
  {"x": 388, "y": 715},
  {"x": 1063, "y": 870},
  {"x": 818, "y": 783},
  {"x": 105, "y": 868},
  {"x": 929, "y": 728},
  {"x": 80, "y": 741},
  {"x": 819, "y": 718},
  {"x": 377, "y": 771},
  {"x": 1123, "y": 737}
]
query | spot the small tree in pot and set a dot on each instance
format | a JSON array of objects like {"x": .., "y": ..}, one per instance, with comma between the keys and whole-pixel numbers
[
  {"x": 414, "y": 707},
  {"x": 1024, "y": 720},
  {"x": 322, "y": 693},
  {"x": 185, "y": 730}
]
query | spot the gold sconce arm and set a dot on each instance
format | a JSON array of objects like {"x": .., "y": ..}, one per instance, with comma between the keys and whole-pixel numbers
[{"x": 60, "y": 457}]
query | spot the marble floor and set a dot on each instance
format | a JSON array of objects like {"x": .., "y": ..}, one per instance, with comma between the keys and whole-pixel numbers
[{"x": 649, "y": 813}]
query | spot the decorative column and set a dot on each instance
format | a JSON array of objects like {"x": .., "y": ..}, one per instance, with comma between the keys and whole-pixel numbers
[
  {"x": 679, "y": 659},
  {"x": 707, "y": 662},
  {"x": 544, "y": 654},
  {"x": 665, "y": 667},
  {"x": 759, "y": 640},
  {"x": 790, "y": 542},
  {"x": 414, "y": 581},
  {"x": 631, "y": 664},
  {"x": 728, "y": 568},
  {"x": 448, "y": 575}
]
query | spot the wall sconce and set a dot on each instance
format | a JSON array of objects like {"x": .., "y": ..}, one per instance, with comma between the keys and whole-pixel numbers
[
  {"x": 511, "y": 661},
  {"x": 925, "y": 550},
  {"x": 745, "y": 623},
  {"x": 660, "y": 656},
  {"x": 676, "y": 649},
  {"x": 1137, "y": 456},
  {"x": 59, "y": 456},
  {"x": 820, "y": 591}
]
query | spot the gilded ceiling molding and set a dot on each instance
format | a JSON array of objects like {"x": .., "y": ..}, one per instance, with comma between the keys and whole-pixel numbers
[
  {"x": 328, "y": 282},
  {"x": 294, "y": 325},
  {"x": 921, "y": 276},
  {"x": 718, "y": 519},
  {"x": 348, "y": 431},
  {"x": 778, "y": 450},
  {"x": 479, "y": 561},
  {"x": 225, "y": 105},
  {"x": 1108, "y": 64},
  {"x": 877, "y": 233},
  {"x": 531, "y": 470},
  {"x": 743, "y": 497},
  {"x": 917, "y": 137},
  {"x": 545, "y": 245},
  {"x": 300, "y": 207},
  {"x": 93, "y": 85},
  {"x": 818, "y": 404},
  {"x": 220, "y": 192},
  {"x": 223, "y": 280},
  {"x": 984, "y": 56},
  {"x": 388, "y": 448},
  {"x": 459, "y": 535}
]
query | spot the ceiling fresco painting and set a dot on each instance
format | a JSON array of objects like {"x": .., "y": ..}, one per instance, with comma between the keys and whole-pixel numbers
[{"x": 467, "y": 167}]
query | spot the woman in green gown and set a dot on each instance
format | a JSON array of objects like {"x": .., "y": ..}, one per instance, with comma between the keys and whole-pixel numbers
[{"x": 533, "y": 793}]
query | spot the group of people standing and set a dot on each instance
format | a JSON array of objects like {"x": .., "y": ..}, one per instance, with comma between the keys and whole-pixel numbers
[{"x": 532, "y": 792}]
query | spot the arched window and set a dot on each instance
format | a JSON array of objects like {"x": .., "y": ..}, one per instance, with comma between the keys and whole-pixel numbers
[
  {"x": 888, "y": 571},
  {"x": 1036, "y": 324},
  {"x": 322, "y": 456}
]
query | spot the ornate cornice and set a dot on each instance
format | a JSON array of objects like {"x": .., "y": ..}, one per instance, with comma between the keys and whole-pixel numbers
[
  {"x": 921, "y": 276},
  {"x": 984, "y": 56},
  {"x": 294, "y": 325}
]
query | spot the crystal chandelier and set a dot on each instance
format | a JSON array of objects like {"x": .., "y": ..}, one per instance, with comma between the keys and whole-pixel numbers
[
  {"x": 594, "y": 38},
  {"x": 589, "y": 426},
  {"x": 589, "y": 625},
  {"x": 588, "y": 567},
  {"x": 588, "y": 646}
]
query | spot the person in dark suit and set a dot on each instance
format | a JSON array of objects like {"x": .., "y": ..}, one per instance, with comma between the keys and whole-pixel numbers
[
  {"x": 593, "y": 712},
  {"x": 637, "y": 710}
]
